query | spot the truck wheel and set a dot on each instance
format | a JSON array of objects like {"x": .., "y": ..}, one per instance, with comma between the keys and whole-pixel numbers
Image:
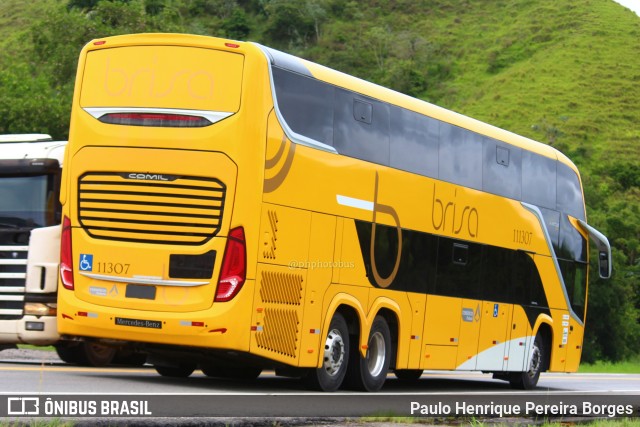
[{"x": 335, "y": 358}]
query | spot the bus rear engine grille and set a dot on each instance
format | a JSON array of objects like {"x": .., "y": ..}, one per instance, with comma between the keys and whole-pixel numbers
[
  {"x": 177, "y": 210},
  {"x": 281, "y": 331}
]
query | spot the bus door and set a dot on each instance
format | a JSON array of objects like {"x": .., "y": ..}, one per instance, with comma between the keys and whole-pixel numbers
[
  {"x": 449, "y": 328},
  {"x": 441, "y": 332},
  {"x": 519, "y": 339},
  {"x": 496, "y": 308},
  {"x": 492, "y": 345},
  {"x": 469, "y": 331}
]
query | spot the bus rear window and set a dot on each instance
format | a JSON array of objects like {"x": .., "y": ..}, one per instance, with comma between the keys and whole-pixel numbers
[{"x": 172, "y": 77}]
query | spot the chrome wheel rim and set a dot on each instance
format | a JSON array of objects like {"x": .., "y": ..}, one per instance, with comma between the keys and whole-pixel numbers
[
  {"x": 536, "y": 360},
  {"x": 334, "y": 350},
  {"x": 376, "y": 354}
]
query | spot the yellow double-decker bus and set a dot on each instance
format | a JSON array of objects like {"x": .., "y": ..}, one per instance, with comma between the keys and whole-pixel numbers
[{"x": 232, "y": 208}]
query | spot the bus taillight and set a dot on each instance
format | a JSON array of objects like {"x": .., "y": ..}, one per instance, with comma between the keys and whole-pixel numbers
[
  {"x": 234, "y": 266},
  {"x": 155, "y": 120},
  {"x": 66, "y": 255}
]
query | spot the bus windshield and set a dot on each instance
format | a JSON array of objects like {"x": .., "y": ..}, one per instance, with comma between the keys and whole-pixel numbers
[{"x": 27, "y": 201}]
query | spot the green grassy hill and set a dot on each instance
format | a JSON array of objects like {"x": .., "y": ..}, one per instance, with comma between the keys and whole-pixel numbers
[
  {"x": 564, "y": 72},
  {"x": 574, "y": 84},
  {"x": 560, "y": 71},
  {"x": 16, "y": 19}
]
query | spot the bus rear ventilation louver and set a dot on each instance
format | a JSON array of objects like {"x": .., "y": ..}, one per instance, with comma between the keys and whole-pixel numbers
[
  {"x": 179, "y": 210},
  {"x": 281, "y": 331}
]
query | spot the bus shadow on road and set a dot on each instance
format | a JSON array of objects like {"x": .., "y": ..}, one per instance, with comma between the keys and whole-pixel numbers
[{"x": 269, "y": 383}]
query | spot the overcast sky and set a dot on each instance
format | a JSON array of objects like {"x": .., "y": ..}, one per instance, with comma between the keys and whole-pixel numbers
[{"x": 631, "y": 4}]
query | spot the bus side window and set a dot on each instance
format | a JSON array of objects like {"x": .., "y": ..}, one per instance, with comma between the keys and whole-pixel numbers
[
  {"x": 538, "y": 172},
  {"x": 460, "y": 156},
  {"x": 569, "y": 192},
  {"x": 458, "y": 270},
  {"x": 460, "y": 254},
  {"x": 361, "y": 127},
  {"x": 362, "y": 111},
  {"x": 502, "y": 169},
  {"x": 417, "y": 265},
  {"x": 497, "y": 274},
  {"x": 529, "y": 290},
  {"x": 572, "y": 245},
  {"x": 552, "y": 222},
  {"x": 305, "y": 104},
  {"x": 414, "y": 142}
]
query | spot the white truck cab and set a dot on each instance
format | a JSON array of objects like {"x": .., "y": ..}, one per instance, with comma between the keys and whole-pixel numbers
[
  {"x": 30, "y": 166},
  {"x": 30, "y": 170}
]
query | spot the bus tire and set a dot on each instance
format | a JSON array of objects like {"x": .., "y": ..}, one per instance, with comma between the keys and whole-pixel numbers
[
  {"x": 529, "y": 379},
  {"x": 179, "y": 371},
  {"x": 408, "y": 374},
  {"x": 68, "y": 353},
  {"x": 369, "y": 373},
  {"x": 231, "y": 372},
  {"x": 129, "y": 358},
  {"x": 335, "y": 358},
  {"x": 94, "y": 354}
]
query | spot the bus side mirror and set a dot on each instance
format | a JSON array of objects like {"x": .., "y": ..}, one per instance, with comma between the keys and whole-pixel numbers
[
  {"x": 603, "y": 265},
  {"x": 604, "y": 249}
]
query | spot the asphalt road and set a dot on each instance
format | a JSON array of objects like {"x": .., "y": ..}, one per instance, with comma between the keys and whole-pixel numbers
[{"x": 437, "y": 394}]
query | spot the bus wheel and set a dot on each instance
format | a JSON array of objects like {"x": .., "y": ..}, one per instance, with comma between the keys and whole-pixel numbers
[
  {"x": 529, "y": 379},
  {"x": 179, "y": 371},
  {"x": 68, "y": 353},
  {"x": 408, "y": 374},
  {"x": 130, "y": 358},
  {"x": 231, "y": 372},
  {"x": 335, "y": 357},
  {"x": 93, "y": 354},
  {"x": 370, "y": 373}
]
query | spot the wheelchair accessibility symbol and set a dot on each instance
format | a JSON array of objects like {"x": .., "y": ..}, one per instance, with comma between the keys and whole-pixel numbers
[{"x": 86, "y": 262}]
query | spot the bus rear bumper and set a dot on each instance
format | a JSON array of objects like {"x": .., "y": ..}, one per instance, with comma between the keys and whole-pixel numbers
[{"x": 218, "y": 327}]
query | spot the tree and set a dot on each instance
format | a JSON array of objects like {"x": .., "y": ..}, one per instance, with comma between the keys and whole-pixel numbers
[
  {"x": 294, "y": 23},
  {"x": 29, "y": 102}
]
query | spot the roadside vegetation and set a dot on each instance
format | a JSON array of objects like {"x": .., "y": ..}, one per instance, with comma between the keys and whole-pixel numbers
[
  {"x": 478, "y": 422},
  {"x": 564, "y": 72},
  {"x": 398, "y": 421},
  {"x": 631, "y": 366}
]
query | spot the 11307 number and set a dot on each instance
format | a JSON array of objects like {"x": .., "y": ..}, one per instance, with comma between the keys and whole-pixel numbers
[{"x": 111, "y": 267}]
